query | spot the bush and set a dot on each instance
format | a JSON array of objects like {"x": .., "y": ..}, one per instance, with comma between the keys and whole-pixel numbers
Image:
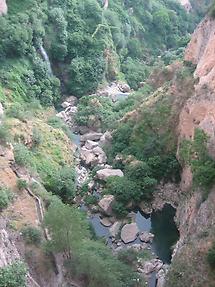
[
  {"x": 62, "y": 183},
  {"x": 13, "y": 275},
  {"x": 22, "y": 155},
  {"x": 32, "y": 235},
  {"x": 36, "y": 138},
  {"x": 4, "y": 134},
  {"x": 21, "y": 184},
  {"x": 90, "y": 200},
  {"x": 5, "y": 197},
  {"x": 211, "y": 256},
  {"x": 119, "y": 210}
]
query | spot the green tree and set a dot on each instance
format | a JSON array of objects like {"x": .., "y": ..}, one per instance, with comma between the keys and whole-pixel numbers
[{"x": 67, "y": 227}]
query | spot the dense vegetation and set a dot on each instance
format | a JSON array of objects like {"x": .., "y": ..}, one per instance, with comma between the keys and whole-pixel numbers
[
  {"x": 195, "y": 153},
  {"x": 145, "y": 149},
  {"x": 70, "y": 235},
  {"x": 13, "y": 275},
  {"x": 86, "y": 44}
]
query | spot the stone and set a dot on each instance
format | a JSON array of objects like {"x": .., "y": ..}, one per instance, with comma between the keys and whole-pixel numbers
[
  {"x": 105, "y": 139},
  {"x": 115, "y": 228},
  {"x": 106, "y": 204},
  {"x": 90, "y": 144},
  {"x": 151, "y": 266},
  {"x": 129, "y": 232},
  {"x": 146, "y": 237},
  {"x": 106, "y": 222},
  {"x": 104, "y": 174},
  {"x": 93, "y": 136},
  {"x": 87, "y": 157},
  {"x": 70, "y": 101},
  {"x": 125, "y": 88}
]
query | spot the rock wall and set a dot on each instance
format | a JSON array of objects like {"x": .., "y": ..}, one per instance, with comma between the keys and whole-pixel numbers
[
  {"x": 3, "y": 7},
  {"x": 195, "y": 216}
]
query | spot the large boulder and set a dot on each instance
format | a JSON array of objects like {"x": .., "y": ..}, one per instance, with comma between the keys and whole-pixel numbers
[
  {"x": 88, "y": 157},
  {"x": 93, "y": 136},
  {"x": 104, "y": 174},
  {"x": 129, "y": 232},
  {"x": 91, "y": 144},
  {"x": 106, "y": 204},
  {"x": 1, "y": 111}
]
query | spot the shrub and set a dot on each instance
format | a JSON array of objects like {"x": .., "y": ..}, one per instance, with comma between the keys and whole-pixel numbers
[
  {"x": 5, "y": 197},
  {"x": 22, "y": 155},
  {"x": 119, "y": 210},
  {"x": 13, "y": 275},
  {"x": 91, "y": 200},
  {"x": 21, "y": 184},
  {"x": 36, "y": 138},
  {"x": 62, "y": 183},
  {"x": 4, "y": 134},
  {"x": 32, "y": 235},
  {"x": 128, "y": 256},
  {"x": 211, "y": 256}
]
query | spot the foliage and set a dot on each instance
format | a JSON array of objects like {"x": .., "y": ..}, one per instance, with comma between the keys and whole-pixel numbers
[
  {"x": 61, "y": 182},
  {"x": 4, "y": 133},
  {"x": 88, "y": 259},
  {"x": 67, "y": 227},
  {"x": 21, "y": 184},
  {"x": 194, "y": 152},
  {"x": 31, "y": 235},
  {"x": 13, "y": 275},
  {"x": 22, "y": 155},
  {"x": 5, "y": 197},
  {"x": 36, "y": 138}
]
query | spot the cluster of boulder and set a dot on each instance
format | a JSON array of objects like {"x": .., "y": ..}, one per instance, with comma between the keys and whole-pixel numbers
[{"x": 69, "y": 112}]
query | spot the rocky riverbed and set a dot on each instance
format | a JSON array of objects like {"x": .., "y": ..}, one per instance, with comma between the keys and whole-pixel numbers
[{"x": 138, "y": 230}]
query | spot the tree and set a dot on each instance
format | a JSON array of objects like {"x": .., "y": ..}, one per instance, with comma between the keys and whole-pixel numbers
[{"x": 67, "y": 228}]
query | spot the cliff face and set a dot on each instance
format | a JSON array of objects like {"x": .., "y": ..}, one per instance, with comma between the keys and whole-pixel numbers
[
  {"x": 3, "y": 7},
  {"x": 196, "y": 217}
]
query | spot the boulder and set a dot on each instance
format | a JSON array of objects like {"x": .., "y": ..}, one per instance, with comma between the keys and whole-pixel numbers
[
  {"x": 105, "y": 139},
  {"x": 125, "y": 88},
  {"x": 91, "y": 144},
  {"x": 103, "y": 174},
  {"x": 115, "y": 228},
  {"x": 146, "y": 237},
  {"x": 129, "y": 232},
  {"x": 69, "y": 102},
  {"x": 151, "y": 266},
  {"x": 101, "y": 156},
  {"x": 93, "y": 136},
  {"x": 106, "y": 222},
  {"x": 106, "y": 204},
  {"x": 87, "y": 157}
]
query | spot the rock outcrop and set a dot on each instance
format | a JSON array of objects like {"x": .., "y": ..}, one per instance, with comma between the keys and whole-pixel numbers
[{"x": 3, "y": 7}]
